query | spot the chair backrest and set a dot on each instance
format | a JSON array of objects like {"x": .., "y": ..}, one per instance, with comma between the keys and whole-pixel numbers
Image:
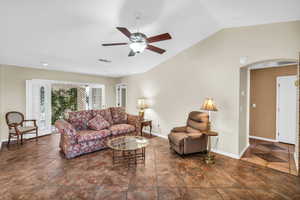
[
  {"x": 14, "y": 118},
  {"x": 198, "y": 121}
]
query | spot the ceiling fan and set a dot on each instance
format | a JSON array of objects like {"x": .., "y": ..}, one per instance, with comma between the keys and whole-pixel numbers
[{"x": 138, "y": 41}]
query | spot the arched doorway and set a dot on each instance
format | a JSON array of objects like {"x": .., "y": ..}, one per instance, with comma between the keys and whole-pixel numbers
[{"x": 266, "y": 150}]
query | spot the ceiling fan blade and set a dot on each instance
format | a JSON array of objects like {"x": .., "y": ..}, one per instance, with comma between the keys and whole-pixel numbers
[
  {"x": 114, "y": 44},
  {"x": 125, "y": 31},
  {"x": 131, "y": 53},
  {"x": 157, "y": 38},
  {"x": 155, "y": 49}
]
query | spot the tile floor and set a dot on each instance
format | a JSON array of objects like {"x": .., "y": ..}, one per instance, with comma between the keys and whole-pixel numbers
[
  {"x": 37, "y": 170},
  {"x": 274, "y": 155}
]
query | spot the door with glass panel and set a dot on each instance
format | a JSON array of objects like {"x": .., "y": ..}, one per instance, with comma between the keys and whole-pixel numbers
[
  {"x": 96, "y": 96},
  {"x": 38, "y": 104},
  {"x": 121, "y": 95}
]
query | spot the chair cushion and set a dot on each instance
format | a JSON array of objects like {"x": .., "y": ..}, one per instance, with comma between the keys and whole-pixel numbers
[
  {"x": 80, "y": 119},
  {"x": 192, "y": 130},
  {"x": 98, "y": 123},
  {"x": 201, "y": 126},
  {"x": 88, "y": 135},
  {"x": 177, "y": 137},
  {"x": 121, "y": 129},
  {"x": 198, "y": 116},
  {"x": 179, "y": 129},
  {"x": 118, "y": 115},
  {"x": 23, "y": 129},
  {"x": 105, "y": 113}
]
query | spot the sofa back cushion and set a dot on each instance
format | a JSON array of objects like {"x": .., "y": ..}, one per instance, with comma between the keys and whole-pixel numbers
[
  {"x": 80, "y": 119},
  {"x": 105, "y": 113},
  {"x": 118, "y": 115},
  {"x": 98, "y": 123}
]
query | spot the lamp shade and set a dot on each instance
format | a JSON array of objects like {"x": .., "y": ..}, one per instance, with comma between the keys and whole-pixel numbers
[
  {"x": 141, "y": 103},
  {"x": 209, "y": 105}
]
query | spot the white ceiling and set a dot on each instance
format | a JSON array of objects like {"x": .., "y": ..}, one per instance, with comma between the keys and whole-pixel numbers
[{"x": 67, "y": 33}]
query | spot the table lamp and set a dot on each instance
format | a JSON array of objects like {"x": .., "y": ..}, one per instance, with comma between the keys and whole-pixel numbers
[
  {"x": 141, "y": 105},
  {"x": 209, "y": 106}
]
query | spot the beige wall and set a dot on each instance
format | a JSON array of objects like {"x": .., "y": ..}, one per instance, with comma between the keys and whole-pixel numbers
[
  {"x": 14, "y": 92},
  {"x": 263, "y": 93},
  {"x": 243, "y": 129},
  {"x": 210, "y": 68}
]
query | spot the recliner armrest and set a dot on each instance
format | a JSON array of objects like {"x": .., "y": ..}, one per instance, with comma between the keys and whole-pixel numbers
[
  {"x": 194, "y": 135},
  {"x": 179, "y": 129}
]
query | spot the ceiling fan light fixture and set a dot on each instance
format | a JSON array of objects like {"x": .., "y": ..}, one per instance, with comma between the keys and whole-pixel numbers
[{"x": 138, "y": 47}]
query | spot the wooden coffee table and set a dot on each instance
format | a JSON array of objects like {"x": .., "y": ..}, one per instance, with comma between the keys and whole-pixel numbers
[{"x": 128, "y": 149}]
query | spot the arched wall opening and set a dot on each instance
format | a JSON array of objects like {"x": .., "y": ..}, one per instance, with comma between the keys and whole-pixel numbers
[{"x": 244, "y": 102}]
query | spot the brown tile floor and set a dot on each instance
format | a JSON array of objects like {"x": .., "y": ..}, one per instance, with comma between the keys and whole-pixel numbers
[
  {"x": 38, "y": 171},
  {"x": 274, "y": 155}
]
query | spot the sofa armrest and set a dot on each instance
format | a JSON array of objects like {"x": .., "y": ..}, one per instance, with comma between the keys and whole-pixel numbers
[
  {"x": 67, "y": 130},
  {"x": 179, "y": 129},
  {"x": 135, "y": 121}
]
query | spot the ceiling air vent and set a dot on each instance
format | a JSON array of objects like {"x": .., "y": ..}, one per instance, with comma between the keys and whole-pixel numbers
[{"x": 104, "y": 60}]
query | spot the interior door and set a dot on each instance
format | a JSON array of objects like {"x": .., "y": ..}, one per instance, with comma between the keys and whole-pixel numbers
[
  {"x": 38, "y": 104},
  {"x": 286, "y": 109}
]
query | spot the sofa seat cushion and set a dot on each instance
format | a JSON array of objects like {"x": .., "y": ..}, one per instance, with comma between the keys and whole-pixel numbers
[
  {"x": 105, "y": 113},
  {"x": 79, "y": 119},
  {"x": 177, "y": 138},
  {"x": 118, "y": 115},
  {"x": 98, "y": 123},
  {"x": 88, "y": 135},
  {"x": 121, "y": 129}
]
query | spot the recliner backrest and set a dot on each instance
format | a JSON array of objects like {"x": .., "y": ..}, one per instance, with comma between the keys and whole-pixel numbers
[{"x": 197, "y": 120}]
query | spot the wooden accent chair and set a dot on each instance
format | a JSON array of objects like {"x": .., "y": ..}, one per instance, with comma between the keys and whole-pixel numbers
[{"x": 15, "y": 122}]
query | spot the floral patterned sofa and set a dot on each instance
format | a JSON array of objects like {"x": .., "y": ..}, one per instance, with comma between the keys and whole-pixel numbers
[{"x": 88, "y": 131}]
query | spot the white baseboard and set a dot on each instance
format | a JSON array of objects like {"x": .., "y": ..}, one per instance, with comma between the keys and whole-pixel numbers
[
  {"x": 29, "y": 136},
  {"x": 264, "y": 139},
  {"x": 235, "y": 156},
  {"x": 232, "y": 155},
  {"x": 156, "y": 134},
  {"x": 244, "y": 150}
]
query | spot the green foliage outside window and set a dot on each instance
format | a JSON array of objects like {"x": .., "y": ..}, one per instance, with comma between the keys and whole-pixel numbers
[{"x": 63, "y": 99}]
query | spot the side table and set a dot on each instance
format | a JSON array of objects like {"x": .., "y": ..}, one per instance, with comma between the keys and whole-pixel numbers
[{"x": 145, "y": 123}]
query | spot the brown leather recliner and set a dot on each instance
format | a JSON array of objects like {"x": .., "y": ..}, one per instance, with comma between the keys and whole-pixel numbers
[{"x": 190, "y": 138}]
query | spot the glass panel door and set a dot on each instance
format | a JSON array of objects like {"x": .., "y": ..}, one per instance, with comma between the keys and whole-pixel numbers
[
  {"x": 38, "y": 104},
  {"x": 96, "y": 97},
  {"x": 121, "y": 95}
]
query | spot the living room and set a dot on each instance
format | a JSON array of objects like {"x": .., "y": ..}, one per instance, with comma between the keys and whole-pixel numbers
[{"x": 186, "y": 56}]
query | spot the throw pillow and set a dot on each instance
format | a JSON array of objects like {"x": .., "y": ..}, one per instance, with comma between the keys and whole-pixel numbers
[
  {"x": 118, "y": 115},
  {"x": 98, "y": 123}
]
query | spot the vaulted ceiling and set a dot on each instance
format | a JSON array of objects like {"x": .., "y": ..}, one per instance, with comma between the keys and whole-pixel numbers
[{"x": 67, "y": 34}]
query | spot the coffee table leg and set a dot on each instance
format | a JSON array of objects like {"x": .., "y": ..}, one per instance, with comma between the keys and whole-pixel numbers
[{"x": 144, "y": 154}]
